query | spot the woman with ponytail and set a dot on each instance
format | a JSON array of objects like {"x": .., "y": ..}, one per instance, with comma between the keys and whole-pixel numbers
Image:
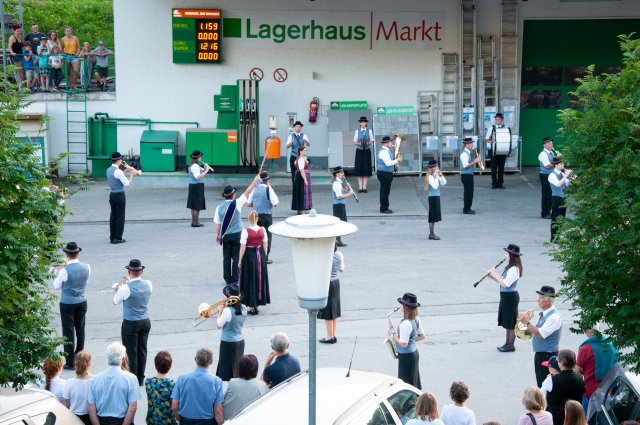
[{"x": 52, "y": 381}]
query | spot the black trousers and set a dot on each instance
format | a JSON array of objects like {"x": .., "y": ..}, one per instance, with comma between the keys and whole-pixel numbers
[
  {"x": 409, "y": 368},
  {"x": 230, "y": 257},
  {"x": 110, "y": 420},
  {"x": 72, "y": 317},
  {"x": 292, "y": 167},
  {"x": 467, "y": 183},
  {"x": 266, "y": 220},
  {"x": 541, "y": 371},
  {"x": 385, "y": 179},
  {"x": 497, "y": 170},
  {"x": 117, "y": 201},
  {"x": 545, "y": 202},
  {"x": 557, "y": 209},
  {"x": 135, "y": 334},
  {"x": 188, "y": 421}
]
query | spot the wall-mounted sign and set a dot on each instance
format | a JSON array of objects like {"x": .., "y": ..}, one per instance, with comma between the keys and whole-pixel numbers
[
  {"x": 224, "y": 103},
  {"x": 196, "y": 35},
  {"x": 280, "y": 75},
  {"x": 348, "y": 105},
  {"x": 394, "y": 110},
  {"x": 256, "y": 74}
]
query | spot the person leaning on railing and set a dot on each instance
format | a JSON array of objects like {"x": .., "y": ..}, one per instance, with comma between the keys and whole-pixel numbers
[{"x": 101, "y": 55}]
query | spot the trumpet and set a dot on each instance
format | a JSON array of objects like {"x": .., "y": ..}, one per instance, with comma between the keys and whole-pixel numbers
[
  {"x": 205, "y": 311},
  {"x": 388, "y": 341},
  {"x": 346, "y": 186},
  {"x": 117, "y": 285},
  {"x": 55, "y": 269},
  {"x": 487, "y": 274},
  {"x": 124, "y": 167},
  {"x": 480, "y": 164},
  {"x": 521, "y": 330}
]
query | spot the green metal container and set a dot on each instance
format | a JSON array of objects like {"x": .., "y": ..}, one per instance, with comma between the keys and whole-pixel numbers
[
  {"x": 225, "y": 148},
  {"x": 158, "y": 150},
  {"x": 200, "y": 139}
]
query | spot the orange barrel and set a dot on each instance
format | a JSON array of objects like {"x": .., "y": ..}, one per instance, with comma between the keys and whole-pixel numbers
[{"x": 272, "y": 147}]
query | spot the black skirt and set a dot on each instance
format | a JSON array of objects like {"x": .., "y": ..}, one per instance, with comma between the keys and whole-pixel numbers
[
  {"x": 254, "y": 278},
  {"x": 230, "y": 353},
  {"x": 332, "y": 310},
  {"x": 508, "y": 309},
  {"x": 408, "y": 368},
  {"x": 362, "y": 166},
  {"x": 340, "y": 211},
  {"x": 434, "y": 209},
  {"x": 195, "y": 201}
]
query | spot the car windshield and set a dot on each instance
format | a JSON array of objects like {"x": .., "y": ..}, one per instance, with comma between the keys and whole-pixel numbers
[
  {"x": 621, "y": 401},
  {"x": 404, "y": 403}
]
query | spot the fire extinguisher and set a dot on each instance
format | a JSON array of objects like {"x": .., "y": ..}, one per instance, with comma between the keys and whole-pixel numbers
[{"x": 313, "y": 109}]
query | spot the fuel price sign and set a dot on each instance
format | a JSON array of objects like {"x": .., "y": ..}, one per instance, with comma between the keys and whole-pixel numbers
[{"x": 196, "y": 35}]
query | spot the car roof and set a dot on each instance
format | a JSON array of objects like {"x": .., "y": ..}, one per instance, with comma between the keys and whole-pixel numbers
[
  {"x": 634, "y": 379},
  {"x": 335, "y": 394},
  {"x": 11, "y": 399}
]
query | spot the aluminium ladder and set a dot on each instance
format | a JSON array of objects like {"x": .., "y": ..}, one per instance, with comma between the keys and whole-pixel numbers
[{"x": 76, "y": 103}]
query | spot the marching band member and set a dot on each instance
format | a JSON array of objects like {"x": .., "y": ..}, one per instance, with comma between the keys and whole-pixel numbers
[
  {"x": 497, "y": 161},
  {"x": 559, "y": 181},
  {"x": 339, "y": 197},
  {"x": 384, "y": 170},
  {"x": 263, "y": 199},
  {"x": 332, "y": 311},
  {"x": 195, "y": 200},
  {"x": 117, "y": 182},
  {"x": 254, "y": 275},
  {"x": 363, "y": 139},
  {"x": 545, "y": 158},
  {"x": 434, "y": 180},
  {"x": 509, "y": 297},
  {"x": 295, "y": 141},
  {"x": 467, "y": 166},
  {"x": 408, "y": 333},
  {"x": 302, "y": 198},
  {"x": 231, "y": 320}
]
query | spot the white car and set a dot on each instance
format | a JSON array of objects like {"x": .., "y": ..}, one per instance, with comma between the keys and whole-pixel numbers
[
  {"x": 34, "y": 407},
  {"x": 364, "y": 398},
  {"x": 617, "y": 398}
]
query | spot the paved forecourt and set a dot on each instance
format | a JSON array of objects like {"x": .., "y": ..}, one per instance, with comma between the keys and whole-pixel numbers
[{"x": 389, "y": 255}]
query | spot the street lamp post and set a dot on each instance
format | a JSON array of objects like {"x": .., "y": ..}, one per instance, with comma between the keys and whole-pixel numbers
[{"x": 313, "y": 239}]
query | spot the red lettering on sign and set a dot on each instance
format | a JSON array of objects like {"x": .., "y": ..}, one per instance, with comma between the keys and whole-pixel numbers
[{"x": 421, "y": 32}]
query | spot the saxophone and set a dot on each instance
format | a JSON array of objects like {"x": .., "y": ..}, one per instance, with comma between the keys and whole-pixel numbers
[
  {"x": 388, "y": 341},
  {"x": 399, "y": 138}
]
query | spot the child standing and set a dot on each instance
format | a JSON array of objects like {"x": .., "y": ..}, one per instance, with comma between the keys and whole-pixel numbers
[
  {"x": 29, "y": 66},
  {"x": 432, "y": 183},
  {"x": 86, "y": 66},
  {"x": 43, "y": 64},
  {"x": 55, "y": 62}
]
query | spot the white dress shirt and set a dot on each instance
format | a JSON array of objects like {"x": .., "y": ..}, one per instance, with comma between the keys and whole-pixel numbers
[
  {"x": 119, "y": 174},
  {"x": 124, "y": 292},
  {"x": 513, "y": 274},
  {"x": 239, "y": 204},
  {"x": 62, "y": 276},
  {"x": 552, "y": 324},
  {"x": 437, "y": 181},
  {"x": 465, "y": 157},
  {"x": 385, "y": 156},
  {"x": 544, "y": 157},
  {"x": 273, "y": 198},
  {"x": 356, "y": 135}
]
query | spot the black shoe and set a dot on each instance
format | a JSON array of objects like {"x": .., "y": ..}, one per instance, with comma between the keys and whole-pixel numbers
[
  {"x": 197, "y": 225},
  {"x": 434, "y": 237},
  {"x": 269, "y": 261},
  {"x": 364, "y": 190},
  {"x": 501, "y": 187},
  {"x": 340, "y": 243},
  {"x": 386, "y": 212},
  {"x": 468, "y": 212},
  {"x": 115, "y": 241},
  {"x": 328, "y": 341},
  {"x": 494, "y": 186},
  {"x": 546, "y": 216},
  {"x": 360, "y": 190},
  {"x": 67, "y": 367},
  {"x": 505, "y": 349}
]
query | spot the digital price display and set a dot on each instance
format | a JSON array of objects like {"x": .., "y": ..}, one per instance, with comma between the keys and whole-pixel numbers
[{"x": 196, "y": 35}]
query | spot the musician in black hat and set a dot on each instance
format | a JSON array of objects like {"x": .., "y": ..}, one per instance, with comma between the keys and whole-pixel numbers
[
  {"x": 408, "y": 333},
  {"x": 384, "y": 171},
  {"x": 432, "y": 183},
  {"x": 228, "y": 220},
  {"x": 509, "y": 297},
  {"x": 231, "y": 320},
  {"x": 497, "y": 160},
  {"x": 263, "y": 199},
  {"x": 72, "y": 280},
  {"x": 339, "y": 193},
  {"x": 134, "y": 294},
  {"x": 295, "y": 141},
  {"x": 195, "y": 200},
  {"x": 363, "y": 139},
  {"x": 546, "y": 167},
  {"x": 558, "y": 181},
  {"x": 467, "y": 166},
  {"x": 546, "y": 332},
  {"x": 117, "y": 182}
]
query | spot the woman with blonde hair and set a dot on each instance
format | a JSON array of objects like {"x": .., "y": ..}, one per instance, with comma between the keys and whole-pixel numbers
[
  {"x": 52, "y": 381},
  {"x": 254, "y": 276},
  {"x": 409, "y": 332},
  {"x": 574, "y": 413},
  {"x": 426, "y": 411},
  {"x": 76, "y": 390},
  {"x": 534, "y": 401}
]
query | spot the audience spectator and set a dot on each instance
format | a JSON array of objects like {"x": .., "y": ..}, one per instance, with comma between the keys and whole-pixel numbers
[
  {"x": 114, "y": 394},
  {"x": 52, "y": 381},
  {"x": 34, "y": 36},
  {"x": 101, "y": 55},
  {"x": 426, "y": 411},
  {"x": 284, "y": 366},
  {"x": 244, "y": 389},
  {"x": 491, "y": 423},
  {"x": 53, "y": 40},
  {"x": 159, "y": 389},
  {"x": 197, "y": 396},
  {"x": 533, "y": 400},
  {"x": 554, "y": 369},
  {"x": 43, "y": 64},
  {"x": 55, "y": 64},
  {"x": 567, "y": 385},
  {"x": 595, "y": 359},
  {"x": 457, "y": 413},
  {"x": 15, "y": 46},
  {"x": 86, "y": 67},
  {"x": 71, "y": 49},
  {"x": 574, "y": 414},
  {"x": 29, "y": 66},
  {"x": 76, "y": 390}
]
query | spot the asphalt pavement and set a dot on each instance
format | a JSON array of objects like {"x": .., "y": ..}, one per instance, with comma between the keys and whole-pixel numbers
[{"x": 387, "y": 256}]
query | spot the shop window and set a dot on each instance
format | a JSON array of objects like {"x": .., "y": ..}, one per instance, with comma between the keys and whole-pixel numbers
[
  {"x": 573, "y": 72},
  {"x": 540, "y": 99},
  {"x": 542, "y": 76}
]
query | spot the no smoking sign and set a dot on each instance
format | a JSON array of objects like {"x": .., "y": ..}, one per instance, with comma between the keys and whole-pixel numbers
[
  {"x": 256, "y": 74},
  {"x": 280, "y": 75}
]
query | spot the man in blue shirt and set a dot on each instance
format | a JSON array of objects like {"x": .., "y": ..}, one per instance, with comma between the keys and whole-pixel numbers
[
  {"x": 197, "y": 396},
  {"x": 284, "y": 366},
  {"x": 114, "y": 394}
]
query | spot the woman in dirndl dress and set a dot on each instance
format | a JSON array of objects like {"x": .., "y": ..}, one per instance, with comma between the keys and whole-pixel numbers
[
  {"x": 195, "y": 200},
  {"x": 363, "y": 139},
  {"x": 231, "y": 321},
  {"x": 509, "y": 297},
  {"x": 302, "y": 199},
  {"x": 254, "y": 277},
  {"x": 408, "y": 333}
]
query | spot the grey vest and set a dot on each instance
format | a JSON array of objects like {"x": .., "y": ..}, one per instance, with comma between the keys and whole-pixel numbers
[
  {"x": 380, "y": 163},
  {"x": 136, "y": 307},
  {"x": 543, "y": 170},
  {"x": 549, "y": 344},
  {"x": 115, "y": 185},
  {"x": 232, "y": 330},
  {"x": 470, "y": 169},
  {"x": 513, "y": 287},
  {"x": 412, "y": 339},
  {"x": 260, "y": 202},
  {"x": 73, "y": 290},
  {"x": 555, "y": 190},
  {"x": 236, "y": 222}
]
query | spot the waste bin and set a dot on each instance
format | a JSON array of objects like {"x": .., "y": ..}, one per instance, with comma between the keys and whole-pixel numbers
[{"x": 158, "y": 150}]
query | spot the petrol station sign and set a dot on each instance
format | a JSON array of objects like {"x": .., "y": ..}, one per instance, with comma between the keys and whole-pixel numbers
[
  {"x": 196, "y": 35},
  {"x": 394, "y": 110},
  {"x": 348, "y": 105}
]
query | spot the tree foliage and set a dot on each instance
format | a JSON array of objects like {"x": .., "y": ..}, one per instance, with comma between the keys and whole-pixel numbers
[
  {"x": 599, "y": 247},
  {"x": 29, "y": 229},
  {"x": 91, "y": 20}
]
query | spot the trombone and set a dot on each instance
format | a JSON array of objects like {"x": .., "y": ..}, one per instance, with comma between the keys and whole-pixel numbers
[{"x": 205, "y": 311}]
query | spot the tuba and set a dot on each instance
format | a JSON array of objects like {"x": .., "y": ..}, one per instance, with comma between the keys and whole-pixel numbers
[
  {"x": 399, "y": 138},
  {"x": 205, "y": 311},
  {"x": 387, "y": 341},
  {"x": 522, "y": 331}
]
